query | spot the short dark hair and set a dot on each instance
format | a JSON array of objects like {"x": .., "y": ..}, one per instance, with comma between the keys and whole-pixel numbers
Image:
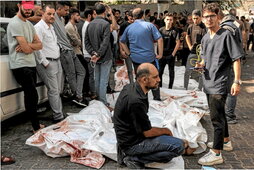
[
  {"x": 100, "y": 8},
  {"x": 169, "y": 15},
  {"x": 117, "y": 10},
  {"x": 155, "y": 13},
  {"x": 88, "y": 11},
  {"x": 232, "y": 12},
  {"x": 166, "y": 11},
  {"x": 147, "y": 11},
  {"x": 212, "y": 7},
  {"x": 73, "y": 11},
  {"x": 144, "y": 72},
  {"x": 47, "y": 5},
  {"x": 196, "y": 12},
  {"x": 61, "y": 4},
  {"x": 137, "y": 13},
  {"x": 152, "y": 18}
]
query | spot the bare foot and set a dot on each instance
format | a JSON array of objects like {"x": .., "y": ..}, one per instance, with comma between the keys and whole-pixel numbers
[{"x": 188, "y": 150}]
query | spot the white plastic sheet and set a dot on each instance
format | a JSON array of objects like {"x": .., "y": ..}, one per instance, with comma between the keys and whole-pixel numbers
[{"x": 88, "y": 134}]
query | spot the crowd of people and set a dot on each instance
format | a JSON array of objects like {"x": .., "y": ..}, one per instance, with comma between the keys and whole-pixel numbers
[{"x": 73, "y": 52}]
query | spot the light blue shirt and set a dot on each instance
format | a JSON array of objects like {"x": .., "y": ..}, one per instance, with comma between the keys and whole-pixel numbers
[{"x": 141, "y": 36}]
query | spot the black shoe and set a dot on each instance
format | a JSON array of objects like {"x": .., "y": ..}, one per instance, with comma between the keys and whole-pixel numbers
[
  {"x": 80, "y": 101},
  {"x": 57, "y": 120},
  {"x": 132, "y": 164}
]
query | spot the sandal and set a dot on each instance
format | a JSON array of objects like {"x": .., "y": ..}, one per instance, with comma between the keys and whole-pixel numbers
[{"x": 7, "y": 160}]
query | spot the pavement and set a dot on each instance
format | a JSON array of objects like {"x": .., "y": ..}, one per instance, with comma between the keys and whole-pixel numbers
[{"x": 16, "y": 130}]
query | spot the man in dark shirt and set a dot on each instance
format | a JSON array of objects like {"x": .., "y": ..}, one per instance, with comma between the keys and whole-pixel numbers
[
  {"x": 220, "y": 50},
  {"x": 195, "y": 32},
  {"x": 171, "y": 41},
  {"x": 138, "y": 142},
  {"x": 97, "y": 44},
  {"x": 127, "y": 59}
]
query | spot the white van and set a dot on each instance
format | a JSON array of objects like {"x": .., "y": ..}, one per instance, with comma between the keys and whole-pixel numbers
[{"x": 12, "y": 96}]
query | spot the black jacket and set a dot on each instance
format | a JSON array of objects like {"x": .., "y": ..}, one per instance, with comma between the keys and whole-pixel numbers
[{"x": 97, "y": 39}]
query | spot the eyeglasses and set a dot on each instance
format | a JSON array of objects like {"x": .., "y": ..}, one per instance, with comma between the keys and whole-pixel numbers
[{"x": 209, "y": 16}]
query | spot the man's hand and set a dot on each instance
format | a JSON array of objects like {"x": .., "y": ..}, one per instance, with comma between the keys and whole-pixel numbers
[
  {"x": 123, "y": 54},
  {"x": 199, "y": 67},
  {"x": 94, "y": 59},
  {"x": 18, "y": 49},
  {"x": 158, "y": 56},
  {"x": 235, "y": 89},
  {"x": 46, "y": 66}
]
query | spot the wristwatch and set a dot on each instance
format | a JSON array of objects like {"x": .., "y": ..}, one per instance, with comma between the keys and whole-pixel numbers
[{"x": 239, "y": 82}]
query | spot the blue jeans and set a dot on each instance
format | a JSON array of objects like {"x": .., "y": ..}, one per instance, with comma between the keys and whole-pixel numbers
[
  {"x": 158, "y": 149},
  {"x": 230, "y": 107},
  {"x": 102, "y": 71}
]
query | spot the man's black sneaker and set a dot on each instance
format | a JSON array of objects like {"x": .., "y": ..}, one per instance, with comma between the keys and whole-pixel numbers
[
  {"x": 58, "y": 120},
  {"x": 80, "y": 102},
  {"x": 133, "y": 164}
]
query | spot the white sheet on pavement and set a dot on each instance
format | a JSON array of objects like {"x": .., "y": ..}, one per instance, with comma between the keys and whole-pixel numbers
[{"x": 88, "y": 134}]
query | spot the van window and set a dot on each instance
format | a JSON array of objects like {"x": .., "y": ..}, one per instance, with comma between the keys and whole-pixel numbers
[{"x": 4, "y": 43}]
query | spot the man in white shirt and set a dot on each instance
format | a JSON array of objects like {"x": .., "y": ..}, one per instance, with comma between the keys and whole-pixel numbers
[
  {"x": 48, "y": 61},
  {"x": 89, "y": 14}
]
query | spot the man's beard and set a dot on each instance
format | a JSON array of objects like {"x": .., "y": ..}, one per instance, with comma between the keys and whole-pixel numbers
[
  {"x": 76, "y": 21},
  {"x": 151, "y": 87},
  {"x": 25, "y": 15}
]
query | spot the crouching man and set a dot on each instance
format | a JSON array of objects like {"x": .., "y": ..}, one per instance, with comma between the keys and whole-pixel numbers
[{"x": 138, "y": 142}]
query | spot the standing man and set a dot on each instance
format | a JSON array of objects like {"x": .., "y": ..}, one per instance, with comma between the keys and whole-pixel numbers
[
  {"x": 171, "y": 43},
  {"x": 97, "y": 44},
  {"x": 22, "y": 42},
  {"x": 66, "y": 50},
  {"x": 127, "y": 59},
  {"x": 220, "y": 50},
  {"x": 48, "y": 58},
  {"x": 89, "y": 15},
  {"x": 195, "y": 32},
  {"x": 138, "y": 142},
  {"x": 230, "y": 23},
  {"x": 75, "y": 40},
  {"x": 141, "y": 36}
]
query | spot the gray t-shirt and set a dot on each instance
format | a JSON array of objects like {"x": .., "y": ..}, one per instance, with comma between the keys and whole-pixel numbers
[
  {"x": 18, "y": 27},
  {"x": 219, "y": 54}
]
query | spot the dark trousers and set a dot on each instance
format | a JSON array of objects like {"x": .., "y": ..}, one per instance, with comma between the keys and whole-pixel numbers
[
  {"x": 156, "y": 92},
  {"x": 26, "y": 77},
  {"x": 170, "y": 60},
  {"x": 216, "y": 104},
  {"x": 84, "y": 63},
  {"x": 251, "y": 40},
  {"x": 184, "y": 53}
]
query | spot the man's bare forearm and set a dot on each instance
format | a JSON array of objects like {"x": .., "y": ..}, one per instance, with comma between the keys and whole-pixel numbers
[
  {"x": 36, "y": 44},
  {"x": 160, "y": 47},
  {"x": 125, "y": 48},
  {"x": 176, "y": 47},
  {"x": 237, "y": 69},
  {"x": 157, "y": 132},
  {"x": 188, "y": 41}
]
